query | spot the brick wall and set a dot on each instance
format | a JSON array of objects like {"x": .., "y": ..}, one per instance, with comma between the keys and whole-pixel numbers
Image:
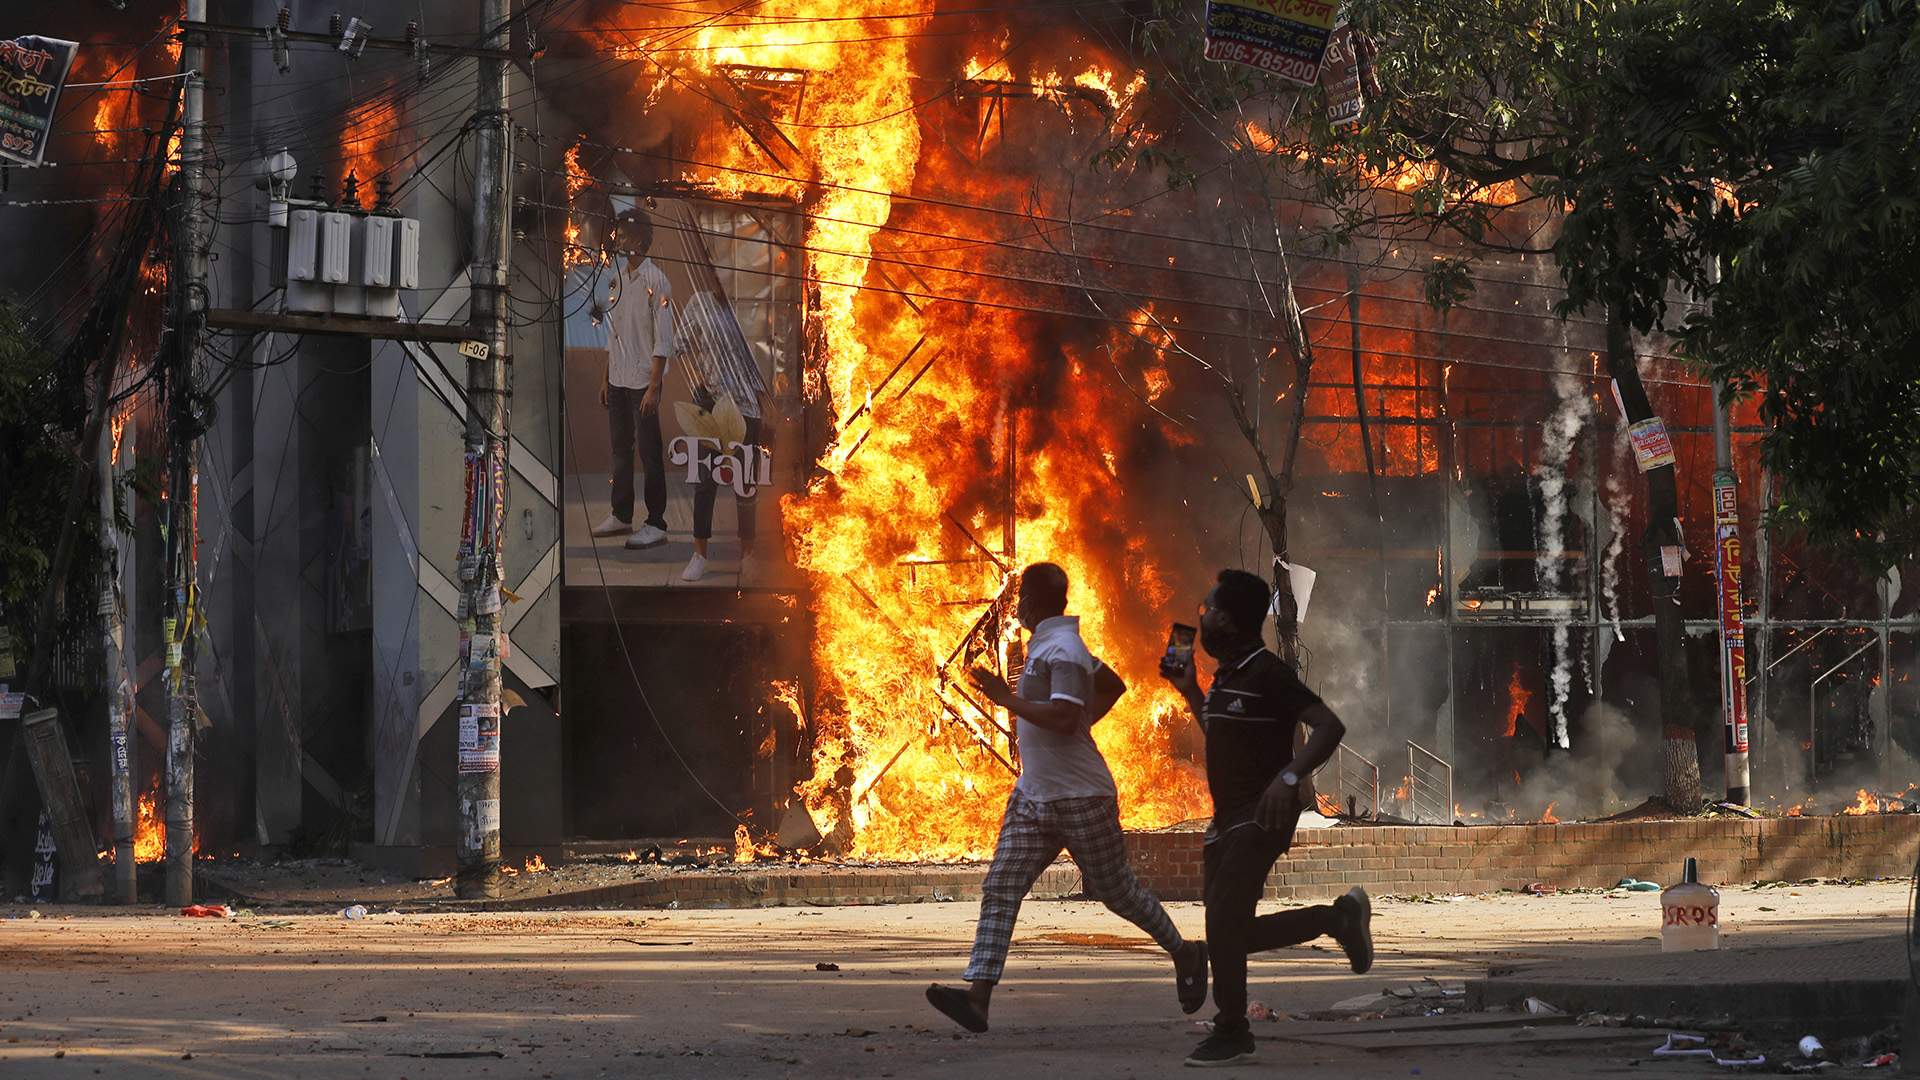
[{"x": 1426, "y": 859}]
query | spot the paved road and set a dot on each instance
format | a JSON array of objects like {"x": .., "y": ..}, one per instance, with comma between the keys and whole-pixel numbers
[{"x": 735, "y": 993}]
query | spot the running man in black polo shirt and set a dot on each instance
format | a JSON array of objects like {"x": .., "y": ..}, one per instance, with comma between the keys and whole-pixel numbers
[{"x": 1250, "y": 716}]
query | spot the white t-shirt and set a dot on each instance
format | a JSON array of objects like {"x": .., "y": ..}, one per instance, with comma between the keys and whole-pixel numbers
[
  {"x": 1053, "y": 765},
  {"x": 639, "y": 324}
]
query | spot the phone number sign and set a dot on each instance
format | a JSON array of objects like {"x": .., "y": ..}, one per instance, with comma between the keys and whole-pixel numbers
[{"x": 1287, "y": 38}]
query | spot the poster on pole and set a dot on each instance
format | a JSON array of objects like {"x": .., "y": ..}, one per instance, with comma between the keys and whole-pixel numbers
[
  {"x": 1652, "y": 447},
  {"x": 1733, "y": 633},
  {"x": 33, "y": 71},
  {"x": 1287, "y": 38}
]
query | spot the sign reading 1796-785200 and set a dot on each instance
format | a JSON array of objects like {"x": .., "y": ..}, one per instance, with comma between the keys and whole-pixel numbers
[
  {"x": 32, "y": 72},
  {"x": 1287, "y": 38}
]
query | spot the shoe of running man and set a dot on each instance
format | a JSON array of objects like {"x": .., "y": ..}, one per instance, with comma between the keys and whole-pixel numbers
[
  {"x": 612, "y": 526},
  {"x": 1222, "y": 1049},
  {"x": 1355, "y": 928},
  {"x": 647, "y": 536}
]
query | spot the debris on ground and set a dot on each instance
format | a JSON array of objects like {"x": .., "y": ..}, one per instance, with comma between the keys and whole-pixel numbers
[
  {"x": 1429, "y": 997},
  {"x": 355, "y": 912},
  {"x": 1260, "y": 1010},
  {"x": 1728, "y": 1050},
  {"x": 1540, "y": 888},
  {"x": 207, "y": 911},
  {"x": 1535, "y": 1007},
  {"x": 824, "y": 966},
  {"x": 1812, "y": 1048},
  {"x": 1634, "y": 885}
]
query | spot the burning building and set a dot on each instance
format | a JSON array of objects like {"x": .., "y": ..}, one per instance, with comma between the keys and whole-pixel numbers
[{"x": 999, "y": 297}]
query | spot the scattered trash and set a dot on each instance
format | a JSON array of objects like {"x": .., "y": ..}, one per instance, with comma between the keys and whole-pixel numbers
[
  {"x": 1260, "y": 1010},
  {"x": 1683, "y": 1045},
  {"x": 824, "y": 966},
  {"x": 1600, "y": 1019},
  {"x": 367, "y": 1020},
  {"x": 1735, "y": 809},
  {"x": 1632, "y": 885},
  {"x": 1680, "y": 1045},
  {"x": 1881, "y": 1062},
  {"x": 856, "y": 1033},
  {"x": 1811, "y": 1048},
  {"x": 1540, "y": 888},
  {"x": 357, "y": 911},
  {"x": 33, "y": 915},
  {"x": 1535, "y": 1007},
  {"x": 207, "y": 911}
]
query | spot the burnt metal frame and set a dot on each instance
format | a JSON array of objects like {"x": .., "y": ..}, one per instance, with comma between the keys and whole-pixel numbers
[{"x": 1760, "y": 626}]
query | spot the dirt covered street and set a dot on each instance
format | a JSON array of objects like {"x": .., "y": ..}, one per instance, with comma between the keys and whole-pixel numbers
[{"x": 739, "y": 994}]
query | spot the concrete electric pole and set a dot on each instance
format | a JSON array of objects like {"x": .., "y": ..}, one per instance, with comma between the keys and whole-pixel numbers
[
  {"x": 482, "y": 629},
  {"x": 1731, "y": 601},
  {"x": 1729, "y": 598},
  {"x": 119, "y": 686},
  {"x": 191, "y": 239}
]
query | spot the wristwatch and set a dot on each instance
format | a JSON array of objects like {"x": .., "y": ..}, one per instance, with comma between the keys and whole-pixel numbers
[{"x": 1290, "y": 778}]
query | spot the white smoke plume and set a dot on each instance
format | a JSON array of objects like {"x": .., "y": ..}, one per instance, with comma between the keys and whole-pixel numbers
[
  {"x": 1562, "y": 432},
  {"x": 1616, "y": 497}
]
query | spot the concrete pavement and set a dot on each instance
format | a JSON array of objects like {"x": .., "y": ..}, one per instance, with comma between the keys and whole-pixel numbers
[{"x": 736, "y": 993}]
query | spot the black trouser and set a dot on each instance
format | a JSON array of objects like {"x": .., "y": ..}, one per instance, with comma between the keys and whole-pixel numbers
[
  {"x": 703, "y": 495},
  {"x": 1237, "y": 864},
  {"x": 623, "y": 404}
]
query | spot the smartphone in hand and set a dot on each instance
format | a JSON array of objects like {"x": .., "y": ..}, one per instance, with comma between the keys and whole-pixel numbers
[{"x": 1178, "y": 659}]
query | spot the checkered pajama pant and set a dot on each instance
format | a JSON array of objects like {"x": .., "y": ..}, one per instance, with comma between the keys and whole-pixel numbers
[{"x": 1031, "y": 836}]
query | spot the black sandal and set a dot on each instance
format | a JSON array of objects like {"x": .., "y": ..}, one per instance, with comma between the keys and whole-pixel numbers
[
  {"x": 957, "y": 1007},
  {"x": 1191, "y": 983}
]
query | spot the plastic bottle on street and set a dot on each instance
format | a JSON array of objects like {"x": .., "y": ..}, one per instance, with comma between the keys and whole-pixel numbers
[
  {"x": 1690, "y": 914},
  {"x": 357, "y": 911}
]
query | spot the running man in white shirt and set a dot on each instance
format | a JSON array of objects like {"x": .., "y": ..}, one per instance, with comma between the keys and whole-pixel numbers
[
  {"x": 1065, "y": 798},
  {"x": 639, "y": 339}
]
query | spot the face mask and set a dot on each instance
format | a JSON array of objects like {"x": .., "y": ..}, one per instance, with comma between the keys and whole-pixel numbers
[{"x": 1219, "y": 642}]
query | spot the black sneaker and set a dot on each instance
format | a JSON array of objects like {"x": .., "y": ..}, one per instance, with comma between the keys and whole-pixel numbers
[
  {"x": 1190, "y": 979},
  {"x": 1354, "y": 931},
  {"x": 1221, "y": 1049}
]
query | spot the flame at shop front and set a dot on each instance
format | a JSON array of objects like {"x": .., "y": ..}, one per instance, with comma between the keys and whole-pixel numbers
[{"x": 902, "y": 534}]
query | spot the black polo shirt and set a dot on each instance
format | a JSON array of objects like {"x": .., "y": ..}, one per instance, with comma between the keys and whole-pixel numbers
[{"x": 1250, "y": 716}]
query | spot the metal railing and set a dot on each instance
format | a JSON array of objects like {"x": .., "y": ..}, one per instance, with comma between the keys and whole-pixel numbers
[
  {"x": 1430, "y": 780},
  {"x": 1356, "y": 783}
]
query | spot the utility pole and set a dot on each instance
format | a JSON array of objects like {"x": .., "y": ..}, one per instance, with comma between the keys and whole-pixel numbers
[
  {"x": 191, "y": 241},
  {"x": 119, "y": 689},
  {"x": 483, "y": 632},
  {"x": 1732, "y": 602}
]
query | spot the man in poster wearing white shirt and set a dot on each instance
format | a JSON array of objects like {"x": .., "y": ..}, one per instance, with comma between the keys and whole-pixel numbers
[{"x": 639, "y": 316}]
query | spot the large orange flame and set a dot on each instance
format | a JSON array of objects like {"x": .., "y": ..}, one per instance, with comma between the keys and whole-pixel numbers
[{"x": 905, "y": 536}]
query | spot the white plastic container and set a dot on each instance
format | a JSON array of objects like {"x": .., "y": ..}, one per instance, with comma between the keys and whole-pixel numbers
[{"x": 1690, "y": 914}]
